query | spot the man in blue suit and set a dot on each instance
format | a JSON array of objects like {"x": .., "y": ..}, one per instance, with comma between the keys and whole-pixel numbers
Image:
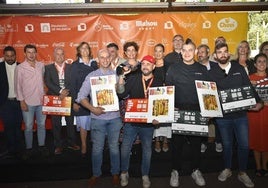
[
  {"x": 9, "y": 106},
  {"x": 57, "y": 80}
]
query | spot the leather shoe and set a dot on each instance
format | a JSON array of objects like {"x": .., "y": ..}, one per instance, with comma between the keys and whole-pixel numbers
[
  {"x": 115, "y": 180},
  {"x": 93, "y": 181},
  {"x": 74, "y": 147},
  {"x": 58, "y": 151}
]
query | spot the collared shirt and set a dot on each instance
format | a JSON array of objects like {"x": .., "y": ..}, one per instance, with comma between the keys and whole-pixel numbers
[
  {"x": 29, "y": 83},
  {"x": 88, "y": 64},
  {"x": 10, "y": 77},
  {"x": 85, "y": 90}
]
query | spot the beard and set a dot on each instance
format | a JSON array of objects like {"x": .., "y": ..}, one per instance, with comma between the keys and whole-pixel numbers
[
  {"x": 223, "y": 60},
  {"x": 146, "y": 72}
]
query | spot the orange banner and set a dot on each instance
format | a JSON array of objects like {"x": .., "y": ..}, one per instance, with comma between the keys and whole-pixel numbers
[{"x": 47, "y": 32}]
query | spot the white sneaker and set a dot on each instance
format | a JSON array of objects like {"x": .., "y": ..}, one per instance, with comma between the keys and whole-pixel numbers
[
  {"x": 226, "y": 173},
  {"x": 124, "y": 179},
  {"x": 245, "y": 180},
  {"x": 203, "y": 148},
  {"x": 218, "y": 147},
  {"x": 198, "y": 178},
  {"x": 146, "y": 182},
  {"x": 174, "y": 179}
]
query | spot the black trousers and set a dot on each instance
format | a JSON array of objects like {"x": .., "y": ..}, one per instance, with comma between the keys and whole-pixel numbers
[
  {"x": 57, "y": 130},
  {"x": 12, "y": 119},
  {"x": 177, "y": 144}
]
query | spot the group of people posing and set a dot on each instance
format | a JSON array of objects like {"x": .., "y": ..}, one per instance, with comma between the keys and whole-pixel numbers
[{"x": 23, "y": 86}]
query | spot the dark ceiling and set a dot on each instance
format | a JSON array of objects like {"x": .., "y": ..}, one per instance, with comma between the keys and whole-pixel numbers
[{"x": 129, "y": 8}]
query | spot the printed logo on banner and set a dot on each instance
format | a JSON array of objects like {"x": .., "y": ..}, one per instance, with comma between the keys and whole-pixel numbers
[
  {"x": 2, "y": 29},
  {"x": 73, "y": 44},
  {"x": 150, "y": 42},
  {"x": 98, "y": 26},
  {"x": 123, "y": 26},
  {"x": 29, "y": 28},
  {"x": 45, "y": 27},
  {"x": 81, "y": 27},
  {"x": 42, "y": 45},
  {"x": 69, "y": 61},
  {"x": 2, "y": 46},
  {"x": 107, "y": 27},
  {"x": 187, "y": 25},
  {"x": 204, "y": 40},
  {"x": 93, "y": 44},
  {"x": 58, "y": 44},
  {"x": 165, "y": 41},
  {"x": 10, "y": 28},
  {"x": 19, "y": 44},
  {"x": 146, "y": 25},
  {"x": 206, "y": 24},
  {"x": 168, "y": 25},
  {"x": 227, "y": 24},
  {"x": 122, "y": 41}
]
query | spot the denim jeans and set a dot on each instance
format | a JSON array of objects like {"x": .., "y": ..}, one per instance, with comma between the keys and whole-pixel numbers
[
  {"x": 129, "y": 135},
  {"x": 28, "y": 118},
  {"x": 99, "y": 129},
  {"x": 228, "y": 129}
]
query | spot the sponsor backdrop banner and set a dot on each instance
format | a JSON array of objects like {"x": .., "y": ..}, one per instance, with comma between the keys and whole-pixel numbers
[{"x": 47, "y": 32}]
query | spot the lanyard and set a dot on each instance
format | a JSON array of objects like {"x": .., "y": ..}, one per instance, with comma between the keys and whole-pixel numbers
[
  {"x": 145, "y": 89},
  {"x": 60, "y": 70}
]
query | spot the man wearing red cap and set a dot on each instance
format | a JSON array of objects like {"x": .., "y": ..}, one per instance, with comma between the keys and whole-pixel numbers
[{"x": 142, "y": 81}]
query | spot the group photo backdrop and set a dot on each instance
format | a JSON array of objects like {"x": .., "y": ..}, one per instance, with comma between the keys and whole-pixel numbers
[{"x": 48, "y": 32}]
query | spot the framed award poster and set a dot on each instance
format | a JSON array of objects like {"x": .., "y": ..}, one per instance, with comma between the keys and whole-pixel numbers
[
  {"x": 161, "y": 104},
  {"x": 103, "y": 92},
  {"x": 53, "y": 105},
  {"x": 208, "y": 98},
  {"x": 237, "y": 99},
  {"x": 190, "y": 123}
]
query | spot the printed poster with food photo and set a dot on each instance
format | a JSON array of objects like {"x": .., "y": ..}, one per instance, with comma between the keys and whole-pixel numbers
[
  {"x": 161, "y": 104},
  {"x": 103, "y": 92},
  {"x": 208, "y": 98}
]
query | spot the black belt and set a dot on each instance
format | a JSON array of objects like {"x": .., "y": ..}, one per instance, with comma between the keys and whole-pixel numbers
[{"x": 12, "y": 99}]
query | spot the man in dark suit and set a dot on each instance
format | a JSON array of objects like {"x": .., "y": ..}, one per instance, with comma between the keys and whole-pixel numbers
[
  {"x": 57, "y": 79},
  {"x": 9, "y": 106}
]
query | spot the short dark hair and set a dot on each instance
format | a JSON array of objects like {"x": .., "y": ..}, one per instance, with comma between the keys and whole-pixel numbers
[
  {"x": 29, "y": 46},
  {"x": 132, "y": 43},
  {"x": 9, "y": 48},
  {"x": 189, "y": 41},
  {"x": 160, "y": 45},
  {"x": 178, "y": 35},
  {"x": 220, "y": 45},
  {"x": 112, "y": 45},
  {"x": 259, "y": 55}
]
